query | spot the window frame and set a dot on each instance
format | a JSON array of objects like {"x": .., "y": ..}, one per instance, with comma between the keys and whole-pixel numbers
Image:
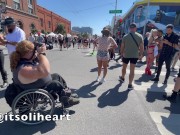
[{"x": 15, "y": 3}]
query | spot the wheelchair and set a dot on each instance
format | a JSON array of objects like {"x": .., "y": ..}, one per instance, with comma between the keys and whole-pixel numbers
[{"x": 31, "y": 102}]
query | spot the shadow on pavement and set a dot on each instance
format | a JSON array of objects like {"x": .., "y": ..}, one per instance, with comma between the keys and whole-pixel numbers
[
  {"x": 153, "y": 96},
  {"x": 144, "y": 78},
  {"x": 113, "y": 97},
  {"x": 115, "y": 66},
  {"x": 171, "y": 122},
  {"x": 85, "y": 91},
  {"x": 13, "y": 127},
  {"x": 140, "y": 64},
  {"x": 94, "y": 69}
]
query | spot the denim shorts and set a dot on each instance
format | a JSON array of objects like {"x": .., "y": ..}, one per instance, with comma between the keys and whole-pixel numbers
[{"x": 103, "y": 55}]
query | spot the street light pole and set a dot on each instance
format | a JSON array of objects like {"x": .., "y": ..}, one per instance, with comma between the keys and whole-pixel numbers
[
  {"x": 115, "y": 17},
  {"x": 147, "y": 16}
]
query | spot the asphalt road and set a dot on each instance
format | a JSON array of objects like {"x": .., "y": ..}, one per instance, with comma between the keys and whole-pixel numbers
[{"x": 104, "y": 109}]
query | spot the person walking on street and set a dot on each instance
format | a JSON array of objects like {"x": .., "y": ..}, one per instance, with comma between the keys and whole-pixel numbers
[
  {"x": 61, "y": 41},
  {"x": 104, "y": 44},
  {"x": 31, "y": 38},
  {"x": 79, "y": 43},
  {"x": 159, "y": 44},
  {"x": 150, "y": 52},
  {"x": 73, "y": 42},
  {"x": 170, "y": 42},
  {"x": 40, "y": 38},
  {"x": 132, "y": 49},
  {"x": 146, "y": 44},
  {"x": 14, "y": 35}
]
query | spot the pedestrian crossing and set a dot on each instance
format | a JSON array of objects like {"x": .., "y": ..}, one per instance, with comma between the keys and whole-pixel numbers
[{"x": 167, "y": 123}]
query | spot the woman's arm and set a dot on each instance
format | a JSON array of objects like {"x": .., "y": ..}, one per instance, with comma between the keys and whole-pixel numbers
[{"x": 113, "y": 43}]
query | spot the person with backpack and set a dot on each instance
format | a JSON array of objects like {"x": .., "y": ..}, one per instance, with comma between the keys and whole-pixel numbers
[{"x": 132, "y": 49}]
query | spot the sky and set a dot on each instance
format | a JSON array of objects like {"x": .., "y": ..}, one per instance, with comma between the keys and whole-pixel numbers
[{"x": 87, "y": 13}]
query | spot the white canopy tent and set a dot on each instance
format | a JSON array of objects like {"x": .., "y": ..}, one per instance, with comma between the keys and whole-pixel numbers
[{"x": 52, "y": 34}]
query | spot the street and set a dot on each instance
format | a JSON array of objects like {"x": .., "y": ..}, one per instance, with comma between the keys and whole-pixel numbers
[{"x": 104, "y": 109}]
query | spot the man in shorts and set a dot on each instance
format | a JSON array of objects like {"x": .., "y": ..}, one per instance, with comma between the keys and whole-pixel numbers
[{"x": 132, "y": 49}]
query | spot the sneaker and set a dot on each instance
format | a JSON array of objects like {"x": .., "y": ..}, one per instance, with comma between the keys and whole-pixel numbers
[
  {"x": 73, "y": 101},
  {"x": 102, "y": 80},
  {"x": 130, "y": 87},
  {"x": 98, "y": 79},
  {"x": 173, "y": 69},
  {"x": 121, "y": 79},
  {"x": 171, "y": 98},
  {"x": 69, "y": 101},
  {"x": 74, "y": 95},
  {"x": 155, "y": 79},
  {"x": 5, "y": 84}
]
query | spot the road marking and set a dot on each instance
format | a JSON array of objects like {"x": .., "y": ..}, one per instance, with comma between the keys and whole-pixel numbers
[
  {"x": 153, "y": 87},
  {"x": 140, "y": 72},
  {"x": 167, "y": 123}
]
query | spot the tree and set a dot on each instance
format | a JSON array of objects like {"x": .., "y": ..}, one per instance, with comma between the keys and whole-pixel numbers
[
  {"x": 85, "y": 35},
  {"x": 60, "y": 29},
  {"x": 34, "y": 31},
  {"x": 43, "y": 31}
]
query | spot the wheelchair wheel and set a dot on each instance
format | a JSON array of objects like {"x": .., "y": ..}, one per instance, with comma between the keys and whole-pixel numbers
[{"x": 31, "y": 106}]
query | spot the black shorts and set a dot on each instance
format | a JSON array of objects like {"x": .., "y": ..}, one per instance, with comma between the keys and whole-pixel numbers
[
  {"x": 179, "y": 73},
  {"x": 131, "y": 60}
]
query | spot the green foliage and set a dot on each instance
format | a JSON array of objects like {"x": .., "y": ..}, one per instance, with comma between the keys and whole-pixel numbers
[
  {"x": 43, "y": 31},
  {"x": 34, "y": 31},
  {"x": 84, "y": 35},
  {"x": 60, "y": 29}
]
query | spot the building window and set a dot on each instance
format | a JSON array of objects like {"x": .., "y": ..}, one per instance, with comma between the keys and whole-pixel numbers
[
  {"x": 16, "y": 4},
  {"x": 30, "y": 7},
  {"x": 32, "y": 26},
  {"x": 30, "y": 10},
  {"x": 30, "y": 2},
  {"x": 41, "y": 21},
  {"x": 49, "y": 24}
]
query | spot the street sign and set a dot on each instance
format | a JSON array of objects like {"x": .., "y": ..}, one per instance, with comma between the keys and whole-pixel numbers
[{"x": 115, "y": 11}]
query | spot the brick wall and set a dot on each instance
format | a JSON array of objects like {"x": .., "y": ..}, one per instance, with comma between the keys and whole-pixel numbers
[
  {"x": 39, "y": 12},
  {"x": 53, "y": 18}
]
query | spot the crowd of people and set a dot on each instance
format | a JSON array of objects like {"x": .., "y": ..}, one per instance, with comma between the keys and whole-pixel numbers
[
  {"x": 31, "y": 69},
  {"x": 157, "y": 47}
]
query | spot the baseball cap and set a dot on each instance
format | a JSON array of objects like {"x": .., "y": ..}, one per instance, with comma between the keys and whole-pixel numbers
[
  {"x": 8, "y": 21},
  {"x": 133, "y": 25}
]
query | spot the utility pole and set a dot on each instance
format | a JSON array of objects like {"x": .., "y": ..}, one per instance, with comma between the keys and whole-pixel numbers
[
  {"x": 115, "y": 17},
  {"x": 147, "y": 17}
]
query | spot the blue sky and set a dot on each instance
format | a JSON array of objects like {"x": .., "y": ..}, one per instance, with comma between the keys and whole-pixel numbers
[{"x": 93, "y": 13}]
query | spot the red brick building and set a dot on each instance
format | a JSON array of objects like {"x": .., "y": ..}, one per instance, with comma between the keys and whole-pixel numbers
[{"x": 30, "y": 16}]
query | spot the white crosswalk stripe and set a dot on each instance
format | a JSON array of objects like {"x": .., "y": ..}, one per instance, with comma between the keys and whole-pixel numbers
[
  {"x": 167, "y": 123},
  {"x": 153, "y": 87}
]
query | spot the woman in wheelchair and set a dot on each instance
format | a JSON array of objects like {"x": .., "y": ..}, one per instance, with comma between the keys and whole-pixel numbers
[{"x": 31, "y": 70}]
